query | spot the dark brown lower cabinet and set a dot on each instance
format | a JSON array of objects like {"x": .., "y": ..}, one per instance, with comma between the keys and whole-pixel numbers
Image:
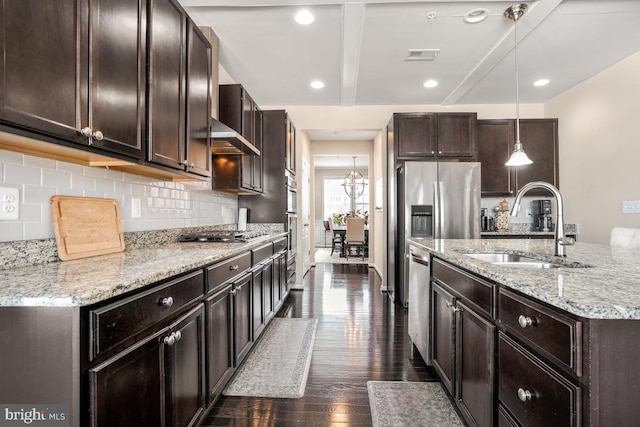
[
  {"x": 258, "y": 319},
  {"x": 267, "y": 278},
  {"x": 241, "y": 318},
  {"x": 219, "y": 340},
  {"x": 444, "y": 335},
  {"x": 158, "y": 381},
  {"x": 475, "y": 366},
  {"x": 533, "y": 393}
]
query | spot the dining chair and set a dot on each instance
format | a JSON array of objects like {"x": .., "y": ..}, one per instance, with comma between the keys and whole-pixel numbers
[
  {"x": 622, "y": 237},
  {"x": 355, "y": 236},
  {"x": 327, "y": 229},
  {"x": 336, "y": 239}
]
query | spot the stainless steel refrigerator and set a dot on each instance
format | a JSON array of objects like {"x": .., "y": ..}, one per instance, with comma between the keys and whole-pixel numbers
[{"x": 434, "y": 199}]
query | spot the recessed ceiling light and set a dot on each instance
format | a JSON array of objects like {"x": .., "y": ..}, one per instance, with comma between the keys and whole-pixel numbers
[
  {"x": 541, "y": 82},
  {"x": 304, "y": 17},
  {"x": 430, "y": 83},
  {"x": 317, "y": 84},
  {"x": 476, "y": 15}
]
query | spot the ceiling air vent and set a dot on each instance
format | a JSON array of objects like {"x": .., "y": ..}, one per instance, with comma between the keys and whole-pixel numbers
[{"x": 422, "y": 54}]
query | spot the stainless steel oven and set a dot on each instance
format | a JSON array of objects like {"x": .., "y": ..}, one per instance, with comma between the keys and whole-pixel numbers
[
  {"x": 292, "y": 193},
  {"x": 292, "y": 229}
]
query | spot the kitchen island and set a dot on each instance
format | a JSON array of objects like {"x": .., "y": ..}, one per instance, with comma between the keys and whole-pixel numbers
[
  {"x": 517, "y": 345},
  {"x": 160, "y": 328}
]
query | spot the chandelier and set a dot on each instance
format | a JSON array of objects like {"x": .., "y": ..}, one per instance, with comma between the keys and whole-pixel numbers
[{"x": 354, "y": 182}]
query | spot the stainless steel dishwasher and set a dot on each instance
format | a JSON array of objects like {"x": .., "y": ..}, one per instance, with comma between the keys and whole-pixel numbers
[{"x": 419, "y": 300}]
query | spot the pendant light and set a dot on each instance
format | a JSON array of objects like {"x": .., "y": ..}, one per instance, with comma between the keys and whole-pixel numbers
[
  {"x": 518, "y": 157},
  {"x": 354, "y": 182}
]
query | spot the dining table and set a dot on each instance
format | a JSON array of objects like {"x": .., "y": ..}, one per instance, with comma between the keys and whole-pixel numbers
[{"x": 341, "y": 231}]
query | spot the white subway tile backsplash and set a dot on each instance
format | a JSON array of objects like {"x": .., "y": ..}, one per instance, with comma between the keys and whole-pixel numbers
[
  {"x": 21, "y": 174},
  {"x": 58, "y": 179},
  {"x": 11, "y": 157},
  {"x": 164, "y": 204}
]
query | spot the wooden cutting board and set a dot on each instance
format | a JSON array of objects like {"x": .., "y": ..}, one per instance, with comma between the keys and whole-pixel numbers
[{"x": 86, "y": 227}]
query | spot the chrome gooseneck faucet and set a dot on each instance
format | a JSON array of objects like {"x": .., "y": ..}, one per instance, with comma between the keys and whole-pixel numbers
[{"x": 560, "y": 239}]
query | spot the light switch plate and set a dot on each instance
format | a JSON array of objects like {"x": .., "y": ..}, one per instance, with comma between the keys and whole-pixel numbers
[
  {"x": 631, "y": 206},
  {"x": 136, "y": 208},
  {"x": 9, "y": 203}
]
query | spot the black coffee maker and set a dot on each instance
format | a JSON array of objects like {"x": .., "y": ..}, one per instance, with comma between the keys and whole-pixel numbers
[{"x": 541, "y": 212}]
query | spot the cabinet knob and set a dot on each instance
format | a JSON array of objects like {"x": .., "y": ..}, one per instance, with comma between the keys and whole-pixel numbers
[
  {"x": 433, "y": 152},
  {"x": 233, "y": 267},
  {"x": 167, "y": 302},
  {"x": 525, "y": 321},
  {"x": 233, "y": 291},
  {"x": 97, "y": 135},
  {"x": 452, "y": 306},
  {"x": 171, "y": 339},
  {"x": 192, "y": 165},
  {"x": 178, "y": 335},
  {"x": 86, "y": 131},
  {"x": 524, "y": 395}
]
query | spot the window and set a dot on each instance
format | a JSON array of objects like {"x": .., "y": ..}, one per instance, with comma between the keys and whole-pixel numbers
[{"x": 337, "y": 201}]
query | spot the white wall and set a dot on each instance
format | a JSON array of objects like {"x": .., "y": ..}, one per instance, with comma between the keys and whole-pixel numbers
[
  {"x": 164, "y": 204},
  {"x": 600, "y": 149}
]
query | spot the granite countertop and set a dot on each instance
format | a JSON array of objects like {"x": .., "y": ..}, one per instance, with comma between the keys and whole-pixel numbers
[
  {"x": 609, "y": 288},
  {"x": 90, "y": 280},
  {"x": 524, "y": 229}
]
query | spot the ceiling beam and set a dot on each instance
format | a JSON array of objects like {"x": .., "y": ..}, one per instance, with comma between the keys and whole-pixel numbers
[
  {"x": 352, "y": 24},
  {"x": 535, "y": 15}
]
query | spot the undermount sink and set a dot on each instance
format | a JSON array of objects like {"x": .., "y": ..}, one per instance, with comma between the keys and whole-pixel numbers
[{"x": 514, "y": 260}]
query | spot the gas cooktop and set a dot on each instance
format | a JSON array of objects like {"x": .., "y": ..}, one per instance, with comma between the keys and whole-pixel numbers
[{"x": 222, "y": 236}]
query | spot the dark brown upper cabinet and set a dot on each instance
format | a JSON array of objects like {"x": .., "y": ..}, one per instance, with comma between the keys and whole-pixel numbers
[
  {"x": 539, "y": 138},
  {"x": 427, "y": 136},
  {"x": 290, "y": 154},
  {"x": 271, "y": 205},
  {"x": 178, "y": 113},
  {"x": 75, "y": 72},
  {"x": 235, "y": 173}
]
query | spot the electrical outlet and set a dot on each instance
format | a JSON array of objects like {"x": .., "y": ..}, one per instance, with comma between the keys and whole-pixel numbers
[
  {"x": 631, "y": 206},
  {"x": 136, "y": 208},
  {"x": 9, "y": 203},
  {"x": 528, "y": 212}
]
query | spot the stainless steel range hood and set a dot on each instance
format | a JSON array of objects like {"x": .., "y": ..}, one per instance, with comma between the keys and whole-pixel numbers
[{"x": 225, "y": 140}]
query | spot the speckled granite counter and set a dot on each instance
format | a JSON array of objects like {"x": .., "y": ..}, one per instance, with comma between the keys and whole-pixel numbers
[
  {"x": 91, "y": 280},
  {"x": 608, "y": 289},
  {"x": 524, "y": 230}
]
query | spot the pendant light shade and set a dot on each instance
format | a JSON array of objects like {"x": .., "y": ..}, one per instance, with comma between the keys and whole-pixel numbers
[
  {"x": 354, "y": 182},
  {"x": 518, "y": 157}
]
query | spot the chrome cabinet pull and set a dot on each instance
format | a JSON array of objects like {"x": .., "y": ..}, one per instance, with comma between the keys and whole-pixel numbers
[
  {"x": 233, "y": 267},
  {"x": 452, "y": 307},
  {"x": 525, "y": 321},
  {"x": 524, "y": 395},
  {"x": 97, "y": 135},
  {"x": 86, "y": 131},
  {"x": 167, "y": 302},
  {"x": 171, "y": 339},
  {"x": 178, "y": 335}
]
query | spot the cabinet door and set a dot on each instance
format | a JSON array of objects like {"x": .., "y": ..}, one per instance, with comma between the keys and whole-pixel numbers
[
  {"x": 267, "y": 276},
  {"x": 186, "y": 382},
  {"x": 539, "y": 138},
  {"x": 416, "y": 135},
  {"x": 443, "y": 335},
  {"x": 457, "y": 135},
  {"x": 475, "y": 366},
  {"x": 166, "y": 134},
  {"x": 198, "y": 102},
  {"x": 219, "y": 341},
  {"x": 39, "y": 45},
  {"x": 257, "y": 296},
  {"x": 125, "y": 390},
  {"x": 290, "y": 146},
  {"x": 241, "y": 318},
  {"x": 117, "y": 70},
  {"x": 256, "y": 165},
  {"x": 495, "y": 143}
]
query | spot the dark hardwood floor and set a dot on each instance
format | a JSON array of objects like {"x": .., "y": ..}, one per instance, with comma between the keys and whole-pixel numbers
[{"x": 361, "y": 336}]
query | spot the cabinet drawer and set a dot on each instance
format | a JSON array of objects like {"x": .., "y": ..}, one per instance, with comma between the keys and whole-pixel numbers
[
  {"x": 534, "y": 394},
  {"x": 114, "y": 323},
  {"x": 261, "y": 253},
  {"x": 280, "y": 245},
  {"x": 555, "y": 335},
  {"x": 220, "y": 273},
  {"x": 472, "y": 289}
]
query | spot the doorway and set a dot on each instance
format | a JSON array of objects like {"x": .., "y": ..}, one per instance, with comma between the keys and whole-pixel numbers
[{"x": 341, "y": 189}]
